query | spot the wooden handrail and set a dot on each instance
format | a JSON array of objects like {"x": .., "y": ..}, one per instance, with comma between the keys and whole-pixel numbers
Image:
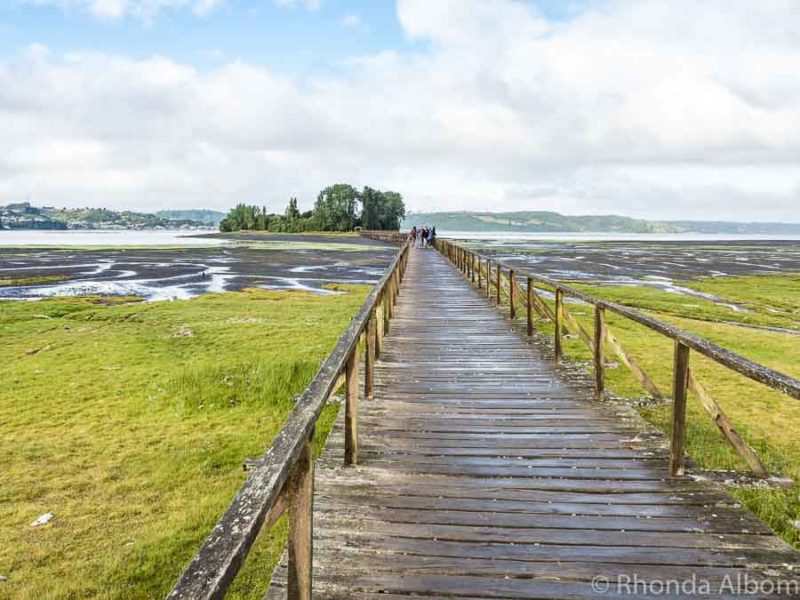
[
  {"x": 684, "y": 342},
  {"x": 283, "y": 478}
]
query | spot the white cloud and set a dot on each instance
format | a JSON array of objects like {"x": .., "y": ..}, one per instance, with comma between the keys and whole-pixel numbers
[
  {"x": 650, "y": 109},
  {"x": 352, "y": 20},
  {"x": 113, "y": 10},
  {"x": 307, "y": 4}
]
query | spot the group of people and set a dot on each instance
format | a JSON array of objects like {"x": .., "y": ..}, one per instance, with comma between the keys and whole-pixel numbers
[{"x": 422, "y": 237}]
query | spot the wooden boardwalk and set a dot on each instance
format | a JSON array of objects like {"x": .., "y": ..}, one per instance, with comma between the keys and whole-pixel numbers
[{"x": 484, "y": 472}]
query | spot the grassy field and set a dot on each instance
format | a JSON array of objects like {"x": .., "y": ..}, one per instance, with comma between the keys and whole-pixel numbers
[
  {"x": 129, "y": 422},
  {"x": 14, "y": 281},
  {"x": 768, "y": 420}
]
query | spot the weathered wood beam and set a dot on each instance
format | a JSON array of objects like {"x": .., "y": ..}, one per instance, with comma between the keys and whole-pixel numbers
[
  {"x": 301, "y": 525},
  {"x": 680, "y": 383},
  {"x": 633, "y": 365},
  {"x": 351, "y": 410},
  {"x": 573, "y": 324},
  {"x": 529, "y": 306},
  {"x": 599, "y": 356},
  {"x": 559, "y": 312},
  {"x": 511, "y": 296},
  {"x": 369, "y": 359},
  {"x": 726, "y": 428}
]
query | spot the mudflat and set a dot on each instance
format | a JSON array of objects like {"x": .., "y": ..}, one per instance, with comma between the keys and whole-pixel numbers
[{"x": 278, "y": 262}]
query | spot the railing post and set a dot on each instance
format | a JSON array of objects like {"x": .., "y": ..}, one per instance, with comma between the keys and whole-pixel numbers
[
  {"x": 599, "y": 357},
  {"x": 380, "y": 322},
  {"x": 529, "y": 305},
  {"x": 498, "y": 283},
  {"x": 369, "y": 358},
  {"x": 488, "y": 278},
  {"x": 480, "y": 271},
  {"x": 512, "y": 305},
  {"x": 680, "y": 384},
  {"x": 385, "y": 309},
  {"x": 559, "y": 315},
  {"x": 301, "y": 525},
  {"x": 472, "y": 266},
  {"x": 351, "y": 409}
]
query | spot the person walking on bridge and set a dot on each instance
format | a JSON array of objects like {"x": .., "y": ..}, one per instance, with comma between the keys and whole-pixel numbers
[{"x": 412, "y": 235}]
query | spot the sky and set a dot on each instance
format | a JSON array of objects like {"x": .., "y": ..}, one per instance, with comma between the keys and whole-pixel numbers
[{"x": 653, "y": 109}]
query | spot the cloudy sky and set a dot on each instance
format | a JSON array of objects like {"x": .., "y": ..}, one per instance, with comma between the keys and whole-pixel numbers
[{"x": 671, "y": 109}]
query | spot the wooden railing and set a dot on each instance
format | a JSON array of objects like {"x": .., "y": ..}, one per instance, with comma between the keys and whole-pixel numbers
[
  {"x": 284, "y": 477},
  {"x": 507, "y": 282},
  {"x": 393, "y": 237}
]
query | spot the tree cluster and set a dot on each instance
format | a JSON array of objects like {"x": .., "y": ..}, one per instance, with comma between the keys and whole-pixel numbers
[{"x": 339, "y": 207}]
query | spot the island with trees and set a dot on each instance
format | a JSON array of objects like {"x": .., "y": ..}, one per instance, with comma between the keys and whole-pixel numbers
[{"x": 339, "y": 207}]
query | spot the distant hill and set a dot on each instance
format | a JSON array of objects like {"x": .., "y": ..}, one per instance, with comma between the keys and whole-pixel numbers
[
  {"x": 545, "y": 221},
  {"x": 525, "y": 221},
  {"x": 211, "y": 218},
  {"x": 23, "y": 215}
]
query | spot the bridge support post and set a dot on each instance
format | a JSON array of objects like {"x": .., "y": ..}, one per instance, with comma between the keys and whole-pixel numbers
[
  {"x": 369, "y": 358},
  {"x": 351, "y": 409},
  {"x": 529, "y": 305},
  {"x": 512, "y": 304},
  {"x": 559, "y": 317},
  {"x": 301, "y": 525},
  {"x": 680, "y": 385},
  {"x": 599, "y": 357}
]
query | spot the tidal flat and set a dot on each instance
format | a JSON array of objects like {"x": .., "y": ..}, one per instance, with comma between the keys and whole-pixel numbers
[{"x": 152, "y": 273}]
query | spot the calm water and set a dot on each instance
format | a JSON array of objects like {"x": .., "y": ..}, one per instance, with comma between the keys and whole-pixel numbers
[
  {"x": 105, "y": 238},
  {"x": 571, "y": 236}
]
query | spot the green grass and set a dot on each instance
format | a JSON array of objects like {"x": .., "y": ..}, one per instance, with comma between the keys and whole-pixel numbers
[
  {"x": 768, "y": 300},
  {"x": 32, "y": 280},
  {"x": 767, "y": 419},
  {"x": 130, "y": 423}
]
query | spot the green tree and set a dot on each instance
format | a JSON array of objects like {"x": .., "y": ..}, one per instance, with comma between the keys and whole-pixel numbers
[
  {"x": 393, "y": 209},
  {"x": 371, "y": 207},
  {"x": 335, "y": 208}
]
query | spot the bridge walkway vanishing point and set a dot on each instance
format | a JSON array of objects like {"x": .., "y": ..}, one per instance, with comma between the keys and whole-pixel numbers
[{"x": 484, "y": 472}]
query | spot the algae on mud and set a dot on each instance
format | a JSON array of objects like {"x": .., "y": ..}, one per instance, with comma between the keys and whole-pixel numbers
[{"x": 130, "y": 423}]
